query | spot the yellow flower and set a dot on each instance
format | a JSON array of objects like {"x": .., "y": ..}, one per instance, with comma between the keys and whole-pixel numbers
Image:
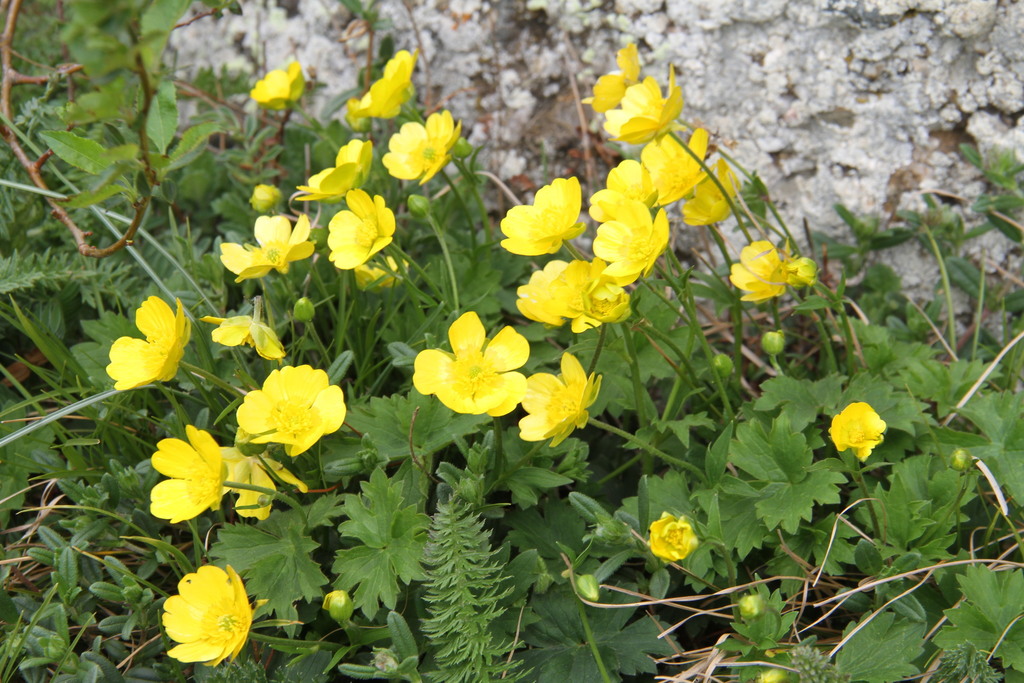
[
  {"x": 134, "y": 362},
  {"x": 858, "y": 427},
  {"x": 477, "y": 376},
  {"x": 243, "y": 329},
  {"x": 264, "y": 198},
  {"x": 210, "y": 616},
  {"x": 196, "y": 472},
  {"x": 361, "y": 232},
  {"x": 372, "y": 277},
  {"x": 542, "y": 227},
  {"x": 801, "y": 272},
  {"x": 760, "y": 272},
  {"x": 577, "y": 291},
  {"x": 673, "y": 538},
  {"x": 295, "y": 407},
  {"x": 251, "y": 470},
  {"x": 674, "y": 171},
  {"x": 351, "y": 167},
  {"x": 632, "y": 242},
  {"x": 279, "y": 245},
  {"x": 628, "y": 180},
  {"x": 386, "y": 96},
  {"x": 556, "y": 405},
  {"x": 279, "y": 89},
  {"x": 709, "y": 205},
  {"x": 420, "y": 151},
  {"x": 643, "y": 113},
  {"x": 610, "y": 88}
]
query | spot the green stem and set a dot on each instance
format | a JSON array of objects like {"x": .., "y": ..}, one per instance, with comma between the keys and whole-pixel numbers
[
  {"x": 447, "y": 259},
  {"x": 261, "y": 489},
  {"x": 730, "y": 567},
  {"x": 211, "y": 378},
  {"x": 601, "y": 334},
  {"x": 474, "y": 186},
  {"x": 464, "y": 207},
  {"x": 643, "y": 445},
  {"x": 499, "y": 449},
  {"x": 592, "y": 642},
  {"x": 691, "y": 311},
  {"x": 859, "y": 477},
  {"x": 740, "y": 220},
  {"x": 618, "y": 470},
  {"x": 947, "y": 289}
]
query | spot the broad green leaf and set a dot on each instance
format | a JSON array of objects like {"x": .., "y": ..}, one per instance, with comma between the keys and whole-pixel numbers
[
  {"x": 527, "y": 483},
  {"x": 189, "y": 146},
  {"x": 801, "y": 399},
  {"x": 162, "y": 122},
  {"x": 83, "y": 153},
  {"x": 992, "y": 602},
  {"x": 882, "y": 651},
  {"x": 997, "y": 416},
  {"x": 90, "y": 197}
]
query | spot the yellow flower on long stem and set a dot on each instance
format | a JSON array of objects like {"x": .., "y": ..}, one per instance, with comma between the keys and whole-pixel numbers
[
  {"x": 761, "y": 272},
  {"x": 386, "y": 96},
  {"x": 708, "y": 204},
  {"x": 632, "y": 242},
  {"x": 553, "y": 217},
  {"x": 197, "y": 475},
  {"x": 350, "y": 170},
  {"x": 644, "y": 114},
  {"x": 557, "y": 405},
  {"x": 576, "y": 291},
  {"x": 210, "y": 616},
  {"x": 134, "y": 362},
  {"x": 477, "y": 377},
  {"x": 858, "y": 427},
  {"x": 610, "y": 88},
  {"x": 673, "y": 538},
  {"x": 359, "y": 233},
  {"x": 419, "y": 151},
  {"x": 674, "y": 172},
  {"x": 628, "y": 180},
  {"x": 244, "y": 329},
  {"x": 295, "y": 407},
  {"x": 279, "y": 89},
  {"x": 279, "y": 245},
  {"x": 252, "y": 470}
]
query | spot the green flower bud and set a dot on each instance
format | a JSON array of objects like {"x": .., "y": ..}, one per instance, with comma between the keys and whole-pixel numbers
[
  {"x": 586, "y": 585},
  {"x": 773, "y": 342},
  {"x": 751, "y": 606},
  {"x": 303, "y": 310},
  {"x": 419, "y": 206},
  {"x": 961, "y": 460},
  {"x": 723, "y": 364},
  {"x": 264, "y": 198},
  {"x": 385, "y": 660},
  {"x": 339, "y": 605},
  {"x": 243, "y": 442},
  {"x": 462, "y": 149}
]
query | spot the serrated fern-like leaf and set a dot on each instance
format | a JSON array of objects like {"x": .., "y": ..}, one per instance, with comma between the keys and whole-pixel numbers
[
  {"x": 46, "y": 270},
  {"x": 814, "y": 667},
  {"x": 464, "y": 590}
]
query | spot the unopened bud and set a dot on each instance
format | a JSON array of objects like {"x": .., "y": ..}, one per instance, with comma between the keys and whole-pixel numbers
[
  {"x": 961, "y": 460},
  {"x": 462, "y": 148},
  {"x": 773, "y": 342},
  {"x": 586, "y": 585},
  {"x": 339, "y": 605},
  {"x": 264, "y": 198},
  {"x": 801, "y": 272},
  {"x": 751, "y": 606},
  {"x": 723, "y": 364},
  {"x": 303, "y": 310},
  {"x": 419, "y": 206}
]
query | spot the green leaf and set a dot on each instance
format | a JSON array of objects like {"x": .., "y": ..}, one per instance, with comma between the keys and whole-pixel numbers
[
  {"x": 997, "y": 416},
  {"x": 276, "y": 560},
  {"x": 85, "y": 154},
  {"x": 801, "y": 399},
  {"x": 882, "y": 651},
  {"x": 188, "y": 146},
  {"x": 90, "y": 197},
  {"x": 992, "y": 602},
  {"x": 527, "y": 483},
  {"x": 162, "y": 122},
  {"x": 393, "y": 537}
]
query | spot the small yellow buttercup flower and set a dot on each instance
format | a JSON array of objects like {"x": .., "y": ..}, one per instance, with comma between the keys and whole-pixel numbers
[
  {"x": 553, "y": 217},
  {"x": 359, "y": 233},
  {"x": 197, "y": 474},
  {"x": 264, "y": 198},
  {"x": 419, "y": 151},
  {"x": 761, "y": 272},
  {"x": 858, "y": 427},
  {"x": 577, "y": 291},
  {"x": 628, "y": 180},
  {"x": 644, "y": 114},
  {"x": 674, "y": 172},
  {"x": 279, "y": 245},
  {"x": 386, "y": 96},
  {"x": 253, "y": 471},
  {"x": 279, "y": 89},
  {"x": 557, "y": 405},
  {"x": 134, "y": 362},
  {"x": 210, "y": 616},
  {"x": 243, "y": 329},
  {"x": 673, "y": 538},
  {"x": 632, "y": 242},
  {"x": 610, "y": 88},
  {"x": 295, "y": 407},
  {"x": 370, "y": 277},
  {"x": 708, "y": 204},
  {"x": 350, "y": 170},
  {"x": 478, "y": 376}
]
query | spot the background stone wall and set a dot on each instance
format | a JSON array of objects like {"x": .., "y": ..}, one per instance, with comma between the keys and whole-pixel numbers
[{"x": 862, "y": 102}]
